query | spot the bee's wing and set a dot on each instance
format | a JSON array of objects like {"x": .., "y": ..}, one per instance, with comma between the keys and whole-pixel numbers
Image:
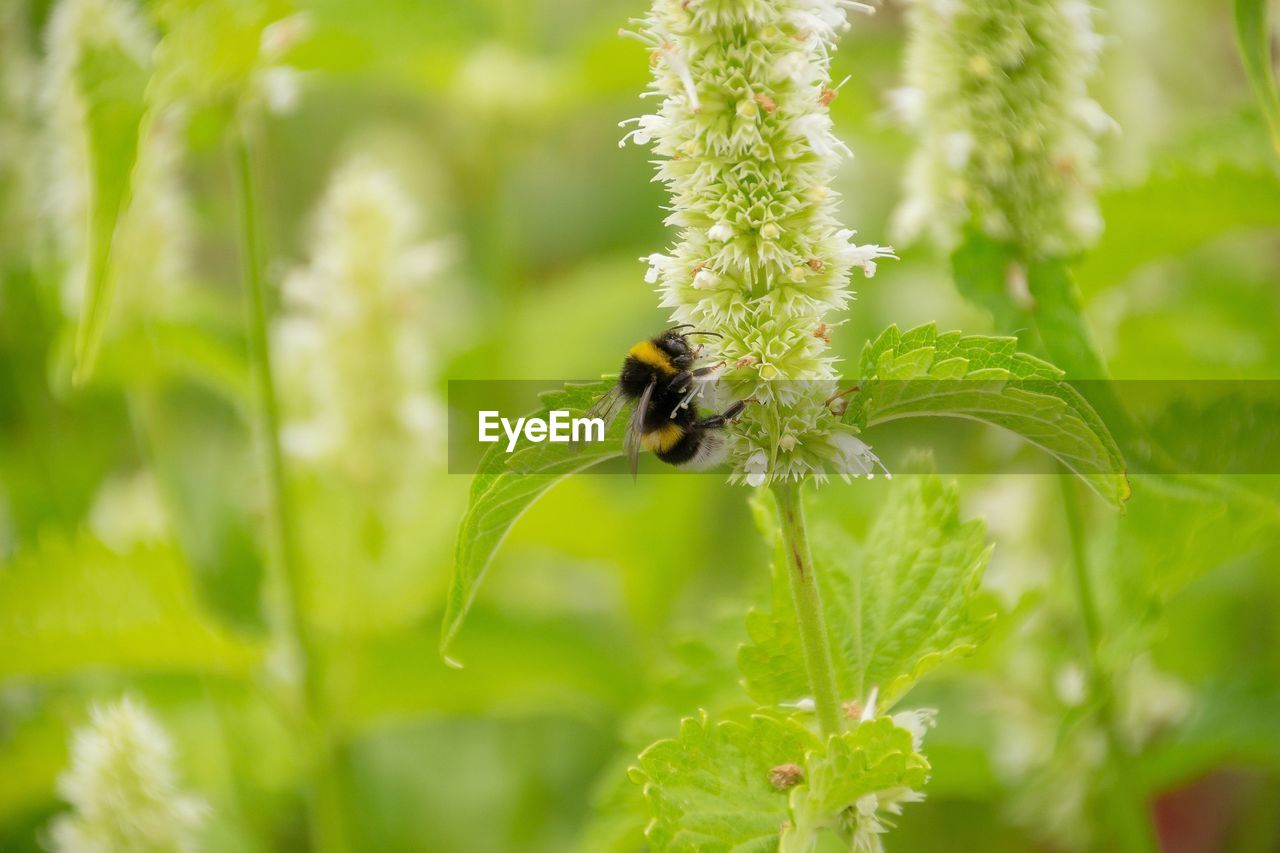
[
  {"x": 635, "y": 428},
  {"x": 607, "y": 406}
]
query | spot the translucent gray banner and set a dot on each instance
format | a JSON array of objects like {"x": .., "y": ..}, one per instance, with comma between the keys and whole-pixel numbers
[{"x": 971, "y": 426}]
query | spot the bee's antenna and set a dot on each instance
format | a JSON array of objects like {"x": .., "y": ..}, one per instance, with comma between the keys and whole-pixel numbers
[
  {"x": 712, "y": 334},
  {"x": 680, "y": 326}
]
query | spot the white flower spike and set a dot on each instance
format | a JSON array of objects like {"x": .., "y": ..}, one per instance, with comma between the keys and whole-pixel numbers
[
  {"x": 123, "y": 788},
  {"x": 746, "y": 149},
  {"x": 997, "y": 96},
  {"x": 351, "y": 340}
]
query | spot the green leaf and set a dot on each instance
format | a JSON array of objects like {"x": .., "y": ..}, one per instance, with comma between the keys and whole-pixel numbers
[
  {"x": 921, "y": 373},
  {"x": 709, "y": 788},
  {"x": 1253, "y": 35},
  {"x": 112, "y": 84},
  {"x": 980, "y": 268},
  {"x": 913, "y": 599},
  {"x": 173, "y": 351},
  {"x": 69, "y": 606},
  {"x": 983, "y": 268},
  {"x": 506, "y": 485},
  {"x": 1175, "y": 211},
  {"x": 1234, "y": 726},
  {"x": 896, "y": 607},
  {"x": 32, "y": 754},
  {"x": 533, "y": 664},
  {"x": 211, "y": 49},
  {"x": 877, "y": 756},
  {"x": 1047, "y": 313},
  {"x": 772, "y": 661}
]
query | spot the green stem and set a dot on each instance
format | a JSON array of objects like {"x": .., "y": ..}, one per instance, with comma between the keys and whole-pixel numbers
[
  {"x": 279, "y": 513},
  {"x": 808, "y": 603},
  {"x": 327, "y": 818},
  {"x": 1134, "y": 831}
]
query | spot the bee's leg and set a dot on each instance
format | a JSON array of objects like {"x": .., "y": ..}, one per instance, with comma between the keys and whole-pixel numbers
[
  {"x": 724, "y": 418},
  {"x": 682, "y": 380}
]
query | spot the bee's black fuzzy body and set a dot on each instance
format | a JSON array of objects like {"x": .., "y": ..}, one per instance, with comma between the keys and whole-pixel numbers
[{"x": 657, "y": 376}]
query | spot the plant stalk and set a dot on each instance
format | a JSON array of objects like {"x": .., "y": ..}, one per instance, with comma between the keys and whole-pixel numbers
[
  {"x": 808, "y": 603},
  {"x": 1134, "y": 830},
  {"x": 327, "y": 818},
  {"x": 282, "y": 535}
]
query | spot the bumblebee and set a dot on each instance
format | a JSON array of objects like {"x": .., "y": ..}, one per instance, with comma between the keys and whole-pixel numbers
[{"x": 658, "y": 376}]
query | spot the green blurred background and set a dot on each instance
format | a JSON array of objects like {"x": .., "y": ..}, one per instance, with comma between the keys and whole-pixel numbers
[{"x": 132, "y": 526}]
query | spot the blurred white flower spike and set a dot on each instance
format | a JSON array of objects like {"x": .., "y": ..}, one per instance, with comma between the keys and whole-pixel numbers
[
  {"x": 996, "y": 94},
  {"x": 747, "y": 150},
  {"x": 351, "y": 341},
  {"x": 123, "y": 788}
]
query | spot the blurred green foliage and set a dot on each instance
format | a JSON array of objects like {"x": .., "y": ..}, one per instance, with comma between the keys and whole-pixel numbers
[{"x": 132, "y": 508}]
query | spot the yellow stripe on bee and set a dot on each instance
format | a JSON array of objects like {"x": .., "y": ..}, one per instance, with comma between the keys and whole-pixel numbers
[
  {"x": 646, "y": 352},
  {"x": 662, "y": 439}
]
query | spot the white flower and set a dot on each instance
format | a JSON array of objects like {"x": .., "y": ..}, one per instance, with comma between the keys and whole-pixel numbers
[
  {"x": 906, "y": 104},
  {"x": 862, "y": 257},
  {"x": 756, "y": 468},
  {"x": 123, "y": 788},
  {"x": 656, "y": 262},
  {"x": 1150, "y": 702},
  {"x": 918, "y": 721},
  {"x": 705, "y": 279},
  {"x": 275, "y": 84},
  {"x": 816, "y": 128},
  {"x": 281, "y": 87},
  {"x": 721, "y": 231},
  {"x": 854, "y": 457},
  {"x": 870, "y": 817}
]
